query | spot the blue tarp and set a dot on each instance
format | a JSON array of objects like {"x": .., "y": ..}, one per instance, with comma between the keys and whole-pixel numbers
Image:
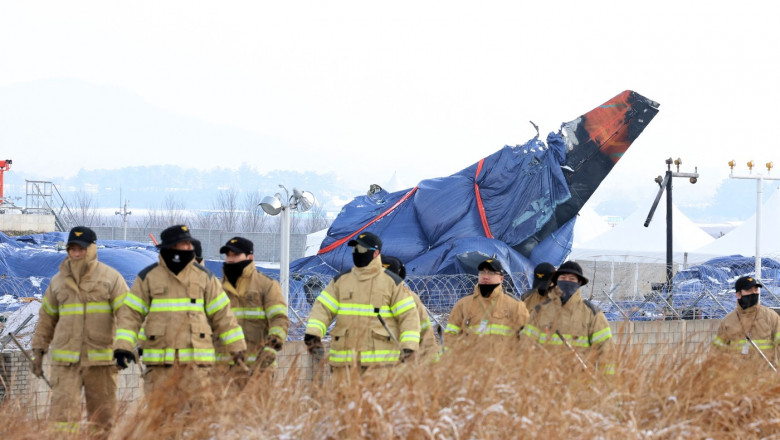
[{"x": 440, "y": 221}]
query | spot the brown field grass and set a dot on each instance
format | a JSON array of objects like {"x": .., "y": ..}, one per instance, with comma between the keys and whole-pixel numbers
[{"x": 472, "y": 393}]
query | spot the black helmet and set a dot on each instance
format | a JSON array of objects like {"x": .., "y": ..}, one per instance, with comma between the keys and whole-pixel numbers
[{"x": 570, "y": 267}]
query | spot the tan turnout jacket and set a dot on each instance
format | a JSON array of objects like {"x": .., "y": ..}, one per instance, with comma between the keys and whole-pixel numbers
[
  {"x": 580, "y": 323},
  {"x": 259, "y": 307},
  {"x": 499, "y": 316},
  {"x": 179, "y": 314},
  {"x": 531, "y": 298},
  {"x": 354, "y": 299},
  {"x": 429, "y": 345},
  {"x": 77, "y": 317},
  {"x": 760, "y": 323}
]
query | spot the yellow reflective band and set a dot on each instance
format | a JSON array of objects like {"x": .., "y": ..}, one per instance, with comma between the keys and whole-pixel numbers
[
  {"x": 403, "y": 306},
  {"x": 48, "y": 308},
  {"x": 176, "y": 305},
  {"x": 278, "y": 331},
  {"x": 315, "y": 324},
  {"x": 452, "y": 328},
  {"x": 136, "y": 304},
  {"x": 142, "y": 334},
  {"x": 71, "y": 309},
  {"x": 98, "y": 307},
  {"x": 66, "y": 427},
  {"x": 117, "y": 303},
  {"x": 126, "y": 335},
  {"x": 232, "y": 336},
  {"x": 100, "y": 355},
  {"x": 64, "y": 356},
  {"x": 366, "y": 357},
  {"x": 608, "y": 369},
  {"x": 217, "y": 304},
  {"x": 718, "y": 342},
  {"x": 168, "y": 355},
  {"x": 363, "y": 310},
  {"x": 531, "y": 331},
  {"x": 277, "y": 309},
  {"x": 248, "y": 312},
  {"x": 601, "y": 335},
  {"x": 425, "y": 324},
  {"x": 410, "y": 336},
  {"x": 328, "y": 301},
  {"x": 492, "y": 329}
]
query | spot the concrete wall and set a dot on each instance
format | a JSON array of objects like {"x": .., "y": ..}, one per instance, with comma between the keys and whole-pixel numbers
[
  {"x": 266, "y": 244},
  {"x": 17, "y": 222}
]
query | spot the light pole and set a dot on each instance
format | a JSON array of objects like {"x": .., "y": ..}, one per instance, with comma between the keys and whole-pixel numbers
[
  {"x": 759, "y": 192},
  {"x": 273, "y": 205},
  {"x": 124, "y": 213}
]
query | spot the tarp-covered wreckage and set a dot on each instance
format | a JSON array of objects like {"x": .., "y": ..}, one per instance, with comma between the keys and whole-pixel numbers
[{"x": 518, "y": 205}]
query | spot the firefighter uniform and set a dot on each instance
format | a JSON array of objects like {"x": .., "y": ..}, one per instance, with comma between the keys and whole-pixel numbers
[
  {"x": 77, "y": 320},
  {"x": 498, "y": 316},
  {"x": 429, "y": 346},
  {"x": 537, "y": 294},
  {"x": 531, "y": 298},
  {"x": 179, "y": 313},
  {"x": 759, "y": 322},
  {"x": 580, "y": 323},
  {"x": 259, "y": 307},
  {"x": 355, "y": 299}
]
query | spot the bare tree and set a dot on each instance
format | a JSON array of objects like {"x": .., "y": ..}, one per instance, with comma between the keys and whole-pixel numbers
[
  {"x": 316, "y": 220},
  {"x": 226, "y": 207},
  {"x": 84, "y": 209},
  {"x": 253, "y": 219},
  {"x": 172, "y": 213}
]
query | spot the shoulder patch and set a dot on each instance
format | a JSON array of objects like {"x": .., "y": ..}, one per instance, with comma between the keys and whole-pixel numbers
[
  {"x": 145, "y": 271},
  {"x": 398, "y": 280},
  {"x": 203, "y": 268},
  {"x": 592, "y": 306}
]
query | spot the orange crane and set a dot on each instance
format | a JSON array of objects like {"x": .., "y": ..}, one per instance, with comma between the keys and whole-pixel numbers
[{"x": 5, "y": 165}]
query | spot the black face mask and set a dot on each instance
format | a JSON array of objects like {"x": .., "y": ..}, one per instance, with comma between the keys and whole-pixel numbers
[
  {"x": 748, "y": 301},
  {"x": 361, "y": 259},
  {"x": 176, "y": 260},
  {"x": 486, "y": 289},
  {"x": 567, "y": 289},
  {"x": 233, "y": 271}
]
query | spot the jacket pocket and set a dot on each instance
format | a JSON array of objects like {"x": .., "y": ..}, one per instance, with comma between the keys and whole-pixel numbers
[
  {"x": 382, "y": 340},
  {"x": 155, "y": 335},
  {"x": 339, "y": 339},
  {"x": 201, "y": 336}
]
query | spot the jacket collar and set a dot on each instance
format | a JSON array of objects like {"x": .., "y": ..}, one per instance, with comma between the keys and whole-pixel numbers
[
  {"x": 498, "y": 291},
  {"x": 373, "y": 269},
  {"x": 90, "y": 258}
]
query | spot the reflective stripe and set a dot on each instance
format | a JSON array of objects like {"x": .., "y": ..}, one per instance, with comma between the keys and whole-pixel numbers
[
  {"x": 425, "y": 324},
  {"x": 316, "y": 324},
  {"x": 231, "y": 336},
  {"x": 176, "y": 305},
  {"x": 354, "y": 309},
  {"x": 601, "y": 335},
  {"x": 117, "y": 303},
  {"x": 64, "y": 356},
  {"x": 168, "y": 355},
  {"x": 278, "y": 331},
  {"x": 410, "y": 336},
  {"x": 493, "y": 329},
  {"x": 531, "y": 331},
  {"x": 328, "y": 301},
  {"x": 71, "y": 309},
  {"x": 366, "y": 357},
  {"x": 48, "y": 308},
  {"x": 142, "y": 334},
  {"x": 452, "y": 328},
  {"x": 277, "y": 309},
  {"x": 67, "y": 427},
  {"x": 136, "y": 304},
  {"x": 608, "y": 369},
  {"x": 99, "y": 307},
  {"x": 719, "y": 342},
  {"x": 100, "y": 355},
  {"x": 127, "y": 335},
  {"x": 403, "y": 306},
  {"x": 248, "y": 312},
  {"x": 217, "y": 304}
]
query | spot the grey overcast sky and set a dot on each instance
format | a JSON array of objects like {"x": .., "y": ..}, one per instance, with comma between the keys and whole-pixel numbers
[{"x": 421, "y": 88}]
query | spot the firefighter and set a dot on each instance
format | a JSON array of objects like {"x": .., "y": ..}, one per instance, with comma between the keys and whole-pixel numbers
[
  {"x": 180, "y": 304},
  {"x": 357, "y": 299},
  {"x": 257, "y": 303},
  {"x": 487, "y": 310},
  {"x": 77, "y": 320},
  {"x": 429, "y": 346},
  {"x": 537, "y": 294},
  {"x": 198, "y": 248},
  {"x": 579, "y": 322},
  {"x": 749, "y": 321}
]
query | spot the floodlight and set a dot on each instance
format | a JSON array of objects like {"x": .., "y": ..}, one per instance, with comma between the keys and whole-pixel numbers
[
  {"x": 271, "y": 205},
  {"x": 304, "y": 200}
]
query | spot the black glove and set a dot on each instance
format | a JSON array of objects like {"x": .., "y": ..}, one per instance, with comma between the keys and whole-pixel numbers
[
  {"x": 406, "y": 354},
  {"x": 37, "y": 365},
  {"x": 123, "y": 357},
  {"x": 314, "y": 345},
  {"x": 274, "y": 342}
]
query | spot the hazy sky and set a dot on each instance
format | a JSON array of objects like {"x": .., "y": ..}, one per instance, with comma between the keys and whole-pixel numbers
[{"x": 421, "y": 88}]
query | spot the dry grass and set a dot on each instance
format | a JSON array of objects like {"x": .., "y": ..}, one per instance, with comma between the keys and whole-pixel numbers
[{"x": 473, "y": 393}]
